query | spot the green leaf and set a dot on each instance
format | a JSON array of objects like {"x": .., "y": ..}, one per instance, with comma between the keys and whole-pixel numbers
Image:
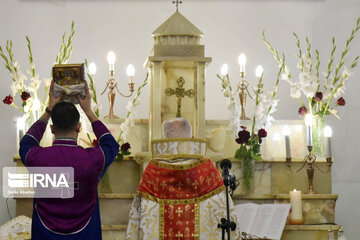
[
  {"x": 119, "y": 157},
  {"x": 256, "y": 148},
  {"x": 126, "y": 153},
  {"x": 241, "y": 152},
  {"x": 257, "y": 157}
]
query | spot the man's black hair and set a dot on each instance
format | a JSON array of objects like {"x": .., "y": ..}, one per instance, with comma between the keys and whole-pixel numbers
[{"x": 65, "y": 116}]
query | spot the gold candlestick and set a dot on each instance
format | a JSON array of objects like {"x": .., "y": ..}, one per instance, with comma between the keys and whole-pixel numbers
[
  {"x": 310, "y": 159},
  {"x": 112, "y": 84},
  {"x": 243, "y": 87}
]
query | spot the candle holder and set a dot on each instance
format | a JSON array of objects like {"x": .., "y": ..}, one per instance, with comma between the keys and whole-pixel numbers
[
  {"x": 112, "y": 84},
  {"x": 310, "y": 159},
  {"x": 243, "y": 87}
]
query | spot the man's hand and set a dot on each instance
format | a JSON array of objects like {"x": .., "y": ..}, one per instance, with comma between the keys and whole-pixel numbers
[
  {"x": 85, "y": 104},
  {"x": 52, "y": 99}
]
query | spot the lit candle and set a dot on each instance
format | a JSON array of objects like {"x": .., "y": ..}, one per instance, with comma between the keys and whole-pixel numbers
[
  {"x": 242, "y": 62},
  {"x": 92, "y": 68},
  {"x": 308, "y": 123},
  {"x": 327, "y": 135},
  {"x": 111, "y": 60},
  {"x": 224, "y": 69},
  {"x": 259, "y": 71},
  {"x": 36, "y": 108},
  {"x": 130, "y": 71},
  {"x": 296, "y": 205},
  {"x": 286, "y": 133}
]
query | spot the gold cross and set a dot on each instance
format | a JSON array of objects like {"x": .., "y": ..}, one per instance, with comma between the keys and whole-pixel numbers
[
  {"x": 177, "y": 2},
  {"x": 208, "y": 180},
  {"x": 178, "y": 235},
  {"x": 179, "y": 211},
  {"x": 195, "y": 184},
  {"x": 163, "y": 184},
  {"x": 180, "y": 93},
  {"x": 179, "y": 184}
]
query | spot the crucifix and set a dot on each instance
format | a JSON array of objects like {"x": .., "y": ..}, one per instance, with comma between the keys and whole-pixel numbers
[
  {"x": 177, "y": 2},
  {"x": 180, "y": 93}
]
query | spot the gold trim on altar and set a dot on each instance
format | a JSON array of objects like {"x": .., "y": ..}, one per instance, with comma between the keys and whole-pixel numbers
[
  {"x": 157, "y": 163},
  {"x": 174, "y": 148},
  {"x": 181, "y": 201}
]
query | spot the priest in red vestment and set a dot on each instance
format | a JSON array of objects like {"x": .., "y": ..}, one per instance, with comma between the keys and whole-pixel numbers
[{"x": 181, "y": 194}]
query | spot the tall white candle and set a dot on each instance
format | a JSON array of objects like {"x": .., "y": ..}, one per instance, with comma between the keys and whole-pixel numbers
[
  {"x": 286, "y": 133},
  {"x": 111, "y": 60},
  {"x": 296, "y": 205},
  {"x": 327, "y": 135},
  {"x": 308, "y": 123}
]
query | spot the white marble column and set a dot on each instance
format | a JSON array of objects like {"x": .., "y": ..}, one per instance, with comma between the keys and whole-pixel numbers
[
  {"x": 199, "y": 121},
  {"x": 155, "y": 102}
]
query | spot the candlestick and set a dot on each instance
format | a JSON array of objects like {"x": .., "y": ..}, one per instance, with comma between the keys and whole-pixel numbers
[
  {"x": 308, "y": 123},
  {"x": 296, "y": 216},
  {"x": 112, "y": 84},
  {"x": 286, "y": 133}
]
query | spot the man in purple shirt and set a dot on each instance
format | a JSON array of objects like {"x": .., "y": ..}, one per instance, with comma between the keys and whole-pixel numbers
[{"x": 78, "y": 217}]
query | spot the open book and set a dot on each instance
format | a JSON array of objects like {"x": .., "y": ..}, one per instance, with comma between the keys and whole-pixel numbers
[{"x": 264, "y": 221}]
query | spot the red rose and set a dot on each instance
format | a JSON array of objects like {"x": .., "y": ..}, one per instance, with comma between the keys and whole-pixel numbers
[
  {"x": 95, "y": 142},
  {"x": 318, "y": 97},
  {"x": 8, "y": 100},
  {"x": 302, "y": 111},
  {"x": 25, "y": 96},
  {"x": 262, "y": 133},
  {"x": 244, "y": 137},
  {"x": 125, "y": 147},
  {"x": 341, "y": 102}
]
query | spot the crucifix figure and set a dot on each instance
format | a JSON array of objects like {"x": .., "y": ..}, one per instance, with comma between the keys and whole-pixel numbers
[
  {"x": 177, "y": 2},
  {"x": 180, "y": 93}
]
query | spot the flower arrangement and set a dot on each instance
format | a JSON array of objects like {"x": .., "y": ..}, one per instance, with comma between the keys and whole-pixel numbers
[
  {"x": 322, "y": 96},
  {"x": 31, "y": 105},
  {"x": 250, "y": 141},
  {"x": 323, "y": 93}
]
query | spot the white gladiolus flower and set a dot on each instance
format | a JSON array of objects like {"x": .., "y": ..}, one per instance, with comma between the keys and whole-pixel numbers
[
  {"x": 340, "y": 92},
  {"x": 47, "y": 82},
  {"x": 346, "y": 73},
  {"x": 14, "y": 88},
  {"x": 16, "y": 65},
  {"x": 299, "y": 64},
  {"x": 295, "y": 92}
]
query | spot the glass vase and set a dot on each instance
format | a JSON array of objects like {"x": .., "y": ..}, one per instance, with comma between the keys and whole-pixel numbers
[
  {"x": 248, "y": 174},
  {"x": 318, "y": 135}
]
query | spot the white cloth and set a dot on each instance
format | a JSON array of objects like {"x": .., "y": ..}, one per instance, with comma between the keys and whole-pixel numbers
[
  {"x": 144, "y": 219},
  {"x": 70, "y": 91}
]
